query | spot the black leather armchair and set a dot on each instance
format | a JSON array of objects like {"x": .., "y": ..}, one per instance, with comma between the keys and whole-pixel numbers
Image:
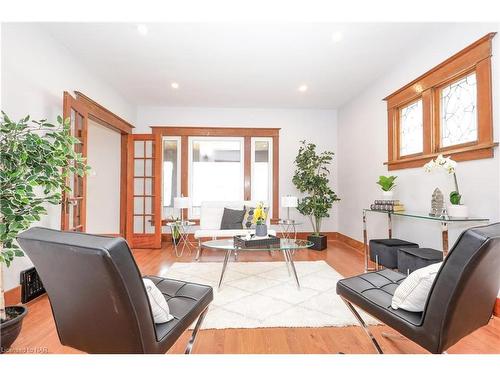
[
  {"x": 461, "y": 299},
  {"x": 98, "y": 299}
]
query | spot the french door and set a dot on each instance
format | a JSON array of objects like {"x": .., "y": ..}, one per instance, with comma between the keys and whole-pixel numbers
[
  {"x": 144, "y": 191},
  {"x": 73, "y": 207}
]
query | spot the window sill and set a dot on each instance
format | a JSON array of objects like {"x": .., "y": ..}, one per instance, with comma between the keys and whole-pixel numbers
[{"x": 474, "y": 152}]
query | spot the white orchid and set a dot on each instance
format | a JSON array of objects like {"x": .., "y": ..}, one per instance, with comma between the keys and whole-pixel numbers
[
  {"x": 449, "y": 166},
  {"x": 441, "y": 163}
]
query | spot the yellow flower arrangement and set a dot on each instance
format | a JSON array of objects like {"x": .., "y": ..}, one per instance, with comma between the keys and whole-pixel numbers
[{"x": 259, "y": 215}]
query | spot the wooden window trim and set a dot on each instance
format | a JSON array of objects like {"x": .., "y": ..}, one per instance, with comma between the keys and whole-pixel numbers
[
  {"x": 474, "y": 58},
  {"x": 246, "y": 133}
]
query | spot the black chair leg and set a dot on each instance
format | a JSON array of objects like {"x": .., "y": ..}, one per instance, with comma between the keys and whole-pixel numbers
[
  {"x": 192, "y": 339},
  {"x": 363, "y": 325}
]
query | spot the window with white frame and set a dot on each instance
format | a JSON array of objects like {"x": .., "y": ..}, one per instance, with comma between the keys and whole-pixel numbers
[
  {"x": 215, "y": 170},
  {"x": 262, "y": 170}
]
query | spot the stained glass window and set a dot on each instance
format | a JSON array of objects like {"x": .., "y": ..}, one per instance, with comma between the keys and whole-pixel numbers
[
  {"x": 458, "y": 112},
  {"x": 411, "y": 129}
]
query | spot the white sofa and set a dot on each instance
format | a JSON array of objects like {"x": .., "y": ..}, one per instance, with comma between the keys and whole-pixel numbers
[{"x": 211, "y": 216}]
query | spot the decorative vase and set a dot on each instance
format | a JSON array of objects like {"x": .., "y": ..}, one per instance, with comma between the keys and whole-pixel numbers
[
  {"x": 387, "y": 194},
  {"x": 261, "y": 230},
  {"x": 457, "y": 210}
]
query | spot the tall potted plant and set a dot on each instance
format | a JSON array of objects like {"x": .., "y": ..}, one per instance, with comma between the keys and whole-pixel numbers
[
  {"x": 311, "y": 177},
  {"x": 36, "y": 158}
]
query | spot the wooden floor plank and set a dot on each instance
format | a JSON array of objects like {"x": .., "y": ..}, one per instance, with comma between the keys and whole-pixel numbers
[{"x": 39, "y": 332}]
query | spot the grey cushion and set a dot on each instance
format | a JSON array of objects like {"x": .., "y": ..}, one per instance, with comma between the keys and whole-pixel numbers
[{"x": 232, "y": 219}]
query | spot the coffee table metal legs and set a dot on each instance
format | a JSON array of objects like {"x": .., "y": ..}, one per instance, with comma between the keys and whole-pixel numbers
[
  {"x": 292, "y": 266},
  {"x": 224, "y": 266},
  {"x": 288, "y": 260}
]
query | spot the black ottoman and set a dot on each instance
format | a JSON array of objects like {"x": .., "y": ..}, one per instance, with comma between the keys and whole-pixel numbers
[
  {"x": 384, "y": 252},
  {"x": 411, "y": 259}
]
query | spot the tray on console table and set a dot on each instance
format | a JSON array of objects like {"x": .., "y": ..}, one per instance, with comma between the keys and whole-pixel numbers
[{"x": 254, "y": 243}]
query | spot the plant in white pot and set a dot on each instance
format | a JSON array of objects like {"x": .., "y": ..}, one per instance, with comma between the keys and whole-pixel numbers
[
  {"x": 455, "y": 208},
  {"x": 387, "y": 185},
  {"x": 36, "y": 158},
  {"x": 311, "y": 177}
]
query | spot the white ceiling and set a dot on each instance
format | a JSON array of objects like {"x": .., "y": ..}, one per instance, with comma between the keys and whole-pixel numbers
[{"x": 239, "y": 65}]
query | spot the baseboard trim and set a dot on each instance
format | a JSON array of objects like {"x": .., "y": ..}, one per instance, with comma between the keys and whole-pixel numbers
[
  {"x": 357, "y": 245},
  {"x": 13, "y": 296},
  {"x": 496, "y": 308}
]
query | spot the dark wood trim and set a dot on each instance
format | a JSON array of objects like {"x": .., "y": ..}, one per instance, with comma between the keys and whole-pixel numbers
[
  {"x": 123, "y": 184},
  {"x": 276, "y": 176},
  {"x": 496, "y": 308},
  {"x": 209, "y": 131},
  {"x": 476, "y": 58},
  {"x": 247, "y": 169},
  {"x": 462, "y": 154},
  {"x": 462, "y": 60},
  {"x": 13, "y": 296},
  {"x": 355, "y": 244},
  {"x": 103, "y": 115},
  {"x": 247, "y": 133}
]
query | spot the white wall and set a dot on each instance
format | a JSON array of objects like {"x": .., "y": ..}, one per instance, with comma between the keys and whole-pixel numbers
[
  {"x": 103, "y": 182},
  {"x": 317, "y": 126},
  {"x": 363, "y": 149},
  {"x": 34, "y": 73}
]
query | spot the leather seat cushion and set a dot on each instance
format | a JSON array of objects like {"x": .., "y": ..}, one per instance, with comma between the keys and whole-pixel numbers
[
  {"x": 186, "y": 301},
  {"x": 373, "y": 293}
]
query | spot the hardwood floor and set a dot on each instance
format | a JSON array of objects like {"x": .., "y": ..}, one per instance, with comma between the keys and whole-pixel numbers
[{"x": 39, "y": 333}]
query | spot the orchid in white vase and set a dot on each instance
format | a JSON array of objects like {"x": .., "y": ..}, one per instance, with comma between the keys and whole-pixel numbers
[{"x": 449, "y": 166}]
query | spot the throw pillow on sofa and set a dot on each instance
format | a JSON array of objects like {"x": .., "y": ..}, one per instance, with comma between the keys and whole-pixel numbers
[
  {"x": 158, "y": 303},
  {"x": 232, "y": 219},
  {"x": 412, "y": 293},
  {"x": 248, "y": 219}
]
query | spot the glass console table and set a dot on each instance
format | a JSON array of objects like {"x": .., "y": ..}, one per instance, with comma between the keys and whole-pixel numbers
[{"x": 443, "y": 220}]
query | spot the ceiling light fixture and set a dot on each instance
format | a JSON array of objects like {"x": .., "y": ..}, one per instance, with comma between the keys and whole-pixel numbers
[
  {"x": 303, "y": 88},
  {"x": 142, "y": 29},
  {"x": 174, "y": 85},
  {"x": 337, "y": 36}
]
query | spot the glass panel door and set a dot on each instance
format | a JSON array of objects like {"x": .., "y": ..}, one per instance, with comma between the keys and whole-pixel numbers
[{"x": 144, "y": 191}]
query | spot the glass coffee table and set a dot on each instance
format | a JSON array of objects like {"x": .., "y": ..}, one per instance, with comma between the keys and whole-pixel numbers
[{"x": 286, "y": 246}]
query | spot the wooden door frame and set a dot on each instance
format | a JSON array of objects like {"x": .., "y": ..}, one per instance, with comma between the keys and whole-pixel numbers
[
  {"x": 71, "y": 104},
  {"x": 105, "y": 117}
]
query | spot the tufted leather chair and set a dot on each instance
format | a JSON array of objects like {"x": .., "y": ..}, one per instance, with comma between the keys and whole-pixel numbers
[
  {"x": 460, "y": 301},
  {"x": 98, "y": 298}
]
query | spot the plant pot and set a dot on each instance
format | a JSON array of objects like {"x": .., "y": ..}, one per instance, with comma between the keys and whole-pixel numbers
[
  {"x": 9, "y": 329},
  {"x": 388, "y": 195},
  {"x": 319, "y": 242},
  {"x": 457, "y": 210},
  {"x": 261, "y": 230}
]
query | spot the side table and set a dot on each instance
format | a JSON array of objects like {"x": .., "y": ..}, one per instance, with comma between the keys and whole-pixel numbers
[{"x": 183, "y": 229}]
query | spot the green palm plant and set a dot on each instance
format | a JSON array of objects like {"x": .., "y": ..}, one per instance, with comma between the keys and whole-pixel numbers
[
  {"x": 36, "y": 159},
  {"x": 311, "y": 177}
]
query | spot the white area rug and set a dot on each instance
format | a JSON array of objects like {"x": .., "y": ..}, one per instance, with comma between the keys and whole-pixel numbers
[{"x": 261, "y": 294}]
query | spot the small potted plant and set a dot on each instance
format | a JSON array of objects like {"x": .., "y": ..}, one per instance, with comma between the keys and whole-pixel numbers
[
  {"x": 311, "y": 178},
  {"x": 176, "y": 229},
  {"x": 387, "y": 184},
  {"x": 455, "y": 208},
  {"x": 259, "y": 219},
  {"x": 36, "y": 158}
]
